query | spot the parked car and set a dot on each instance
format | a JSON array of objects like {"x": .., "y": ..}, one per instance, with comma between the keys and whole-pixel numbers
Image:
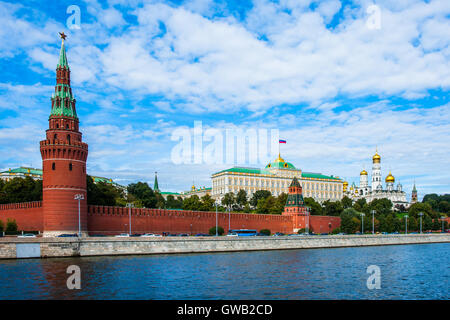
[
  {"x": 122, "y": 235},
  {"x": 135, "y": 235},
  {"x": 27, "y": 235},
  {"x": 259, "y": 234},
  {"x": 232, "y": 234},
  {"x": 97, "y": 235},
  {"x": 183, "y": 235},
  {"x": 202, "y": 235},
  {"x": 67, "y": 235},
  {"x": 171, "y": 235},
  {"x": 146, "y": 235},
  {"x": 341, "y": 233},
  {"x": 278, "y": 234}
]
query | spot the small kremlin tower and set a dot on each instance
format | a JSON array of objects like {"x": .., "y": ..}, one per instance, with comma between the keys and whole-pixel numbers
[
  {"x": 63, "y": 160},
  {"x": 295, "y": 206}
]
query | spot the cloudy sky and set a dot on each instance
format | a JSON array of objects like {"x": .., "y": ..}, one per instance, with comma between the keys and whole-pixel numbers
[{"x": 336, "y": 78}]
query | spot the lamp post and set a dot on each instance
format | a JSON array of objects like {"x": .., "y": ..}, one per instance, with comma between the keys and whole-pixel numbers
[
  {"x": 79, "y": 197},
  {"x": 216, "y": 221},
  {"x": 362, "y": 223},
  {"x": 420, "y": 214},
  {"x": 406, "y": 224},
  {"x": 229, "y": 218},
  {"x": 442, "y": 219},
  {"x": 307, "y": 223},
  {"x": 129, "y": 206},
  {"x": 373, "y": 221}
]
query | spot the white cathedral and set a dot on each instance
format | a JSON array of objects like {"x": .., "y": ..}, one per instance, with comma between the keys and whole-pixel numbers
[{"x": 376, "y": 191}]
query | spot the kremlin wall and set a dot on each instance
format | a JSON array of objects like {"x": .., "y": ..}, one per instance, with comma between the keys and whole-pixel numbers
[
  {"x": 64, "y": 157},
  {"x": 114, "y": 220}
]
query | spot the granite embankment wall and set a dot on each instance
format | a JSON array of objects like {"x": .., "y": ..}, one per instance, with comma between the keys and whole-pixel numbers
[{"x": 67, "y": 247}]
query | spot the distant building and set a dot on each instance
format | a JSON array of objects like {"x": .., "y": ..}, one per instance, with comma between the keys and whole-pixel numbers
[
  {"x": 36, "y": 174},
  {"x": 276, "y": 178},
  {"x": 375, "y": 190}
]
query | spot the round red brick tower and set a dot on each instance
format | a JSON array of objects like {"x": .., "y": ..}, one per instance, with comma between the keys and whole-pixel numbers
[{"x": 63, "y": 160}]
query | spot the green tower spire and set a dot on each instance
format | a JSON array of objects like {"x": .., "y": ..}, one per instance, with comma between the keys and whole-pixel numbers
[
  {"x": 155, "y": 185},
  {"x": 295, "y": 199},
  {"x": 63, "y": 102}
]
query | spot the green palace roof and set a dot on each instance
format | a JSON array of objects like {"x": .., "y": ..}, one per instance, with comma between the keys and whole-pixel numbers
[{"x": 24, "y": 170}]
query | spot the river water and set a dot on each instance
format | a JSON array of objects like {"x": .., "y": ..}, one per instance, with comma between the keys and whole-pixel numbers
[{"x": 406, "y": 272}]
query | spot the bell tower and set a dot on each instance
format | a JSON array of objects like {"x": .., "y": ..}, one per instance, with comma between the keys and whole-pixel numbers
[{"x": 63, "y": 160}]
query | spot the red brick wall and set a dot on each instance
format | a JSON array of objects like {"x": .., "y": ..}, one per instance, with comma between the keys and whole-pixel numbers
[
  {"x": 28, "y": 215},
  {"x": 113, "y": 220}
]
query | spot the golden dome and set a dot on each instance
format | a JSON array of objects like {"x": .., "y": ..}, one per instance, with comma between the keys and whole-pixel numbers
[
  {"x": 345, "y": 183},
  {"x": 363, "y": 173},
  {"x": 390, "y": 178},
  {"x": 376, "y": 158},
  {"x": 193, "y": 187}
]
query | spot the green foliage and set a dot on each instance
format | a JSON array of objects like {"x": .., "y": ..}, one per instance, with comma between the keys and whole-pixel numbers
[
  {"x": 336, "y": 231},
  {"x": 271, "y": 204},
  {"x": 359, "y": 204},
  {"x": 416, "y": 208},
  {"x": 439, "y": 203},
  {"x": 315, "y": 207},
  {"x": 258, "y": 195},
  {"x": 302, "y": 230},
  {"x": 346, "y": 202},
  {"x": 160, "y": 201},
  {"x": 265, "y": 231},
  {"x": 332, "y": 208},
  {"x": 241, "y": 198},
  {"x": 142, "y": 192},
  {"x": 350, "y": 222},
  {"x": 20, "y": 190},
  {"x": 103, "y": 194},
  {"x": 192, "y": 203},
  {"x": 228, "y": 199},
  {"x": 172, "y": 203},
  {"x": 381, "y": 206},
  {"x": 207, "y": 203},
  {"x": 220, "y": 231},
  {"x": 11, "y": 225}
]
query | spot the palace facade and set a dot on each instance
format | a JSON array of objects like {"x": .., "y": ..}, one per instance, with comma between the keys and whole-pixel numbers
[{"x": 276, "y": 178}]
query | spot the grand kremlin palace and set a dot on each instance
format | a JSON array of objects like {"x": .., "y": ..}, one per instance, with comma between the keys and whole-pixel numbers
[{"x": 276, "y": 178}]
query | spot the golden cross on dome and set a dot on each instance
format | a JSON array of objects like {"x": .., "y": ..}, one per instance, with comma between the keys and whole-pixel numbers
[{"x": 62, "y": 35}]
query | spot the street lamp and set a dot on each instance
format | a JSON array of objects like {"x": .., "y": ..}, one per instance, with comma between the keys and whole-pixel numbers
[
  {"x": 307, "y": 214},
  {"x": 216, "y": 219},
  {"x": 442, "y": 219},
  {"x": 406, "y": 224},
  {"x": 129, "y": 206},
  {"x": 229, "y": 218},
  {"x": 420, "y": 214},
  {"x": 362, "y": 223},
  {"x": 79, "y": 197},
  {"x": 373, "y": 221}
]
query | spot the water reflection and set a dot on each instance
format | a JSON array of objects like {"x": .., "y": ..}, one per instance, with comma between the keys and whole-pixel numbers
[{"x": 408, "y": 272}]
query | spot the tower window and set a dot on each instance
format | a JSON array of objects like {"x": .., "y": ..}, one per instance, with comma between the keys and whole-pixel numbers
[
  {"x": 70, "y": 167},
  {"x": 55, "y": 136},
  {"x": 68, "y": 138},
  {"x": 53, "y": 166}
]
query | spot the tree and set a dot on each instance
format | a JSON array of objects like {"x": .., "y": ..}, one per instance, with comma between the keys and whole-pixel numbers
[
  {"x": 192, "y": 203},
  {"x": 332, "y": 208},
  {"x": 160, "y": 201},
  {"x": 11, "y": 225},
  {"x": 241, "y": 198},
  {"x": 20, "y": 190},
  {"x": 144, "y": 193},
  {"x": 207, "y": 203},
  {"x": 314, "y": 207},
  {"x": 220, "y": 231},
  {"x": 172, "y": 203},
  {"x": 416, "y": 208},
  {"x": 359, "y": 204},
  {"x": 427, "y": 223},
  {"x": 346, "y": 202},
  {"x": 444, "y": 207},
  {"x": 349, "y": 221},
  {"x": 265, "y": 232},
  {"x": 267, "y": 205},
  {"x": 260, "y": 194},
  {"x": 436, "y": 225},
  {"x": 103, "y": 194},
  {"x": 228, "y": 199}
]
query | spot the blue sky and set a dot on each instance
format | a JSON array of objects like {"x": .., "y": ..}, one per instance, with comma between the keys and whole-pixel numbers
[{"x": 334, "y": 87}]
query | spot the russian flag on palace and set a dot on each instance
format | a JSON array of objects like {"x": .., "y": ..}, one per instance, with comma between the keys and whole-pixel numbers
[{"x": 282, "y": 141}]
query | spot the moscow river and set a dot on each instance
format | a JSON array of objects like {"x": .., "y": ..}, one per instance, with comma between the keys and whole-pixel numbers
[{"x": 406, "y": 272}]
